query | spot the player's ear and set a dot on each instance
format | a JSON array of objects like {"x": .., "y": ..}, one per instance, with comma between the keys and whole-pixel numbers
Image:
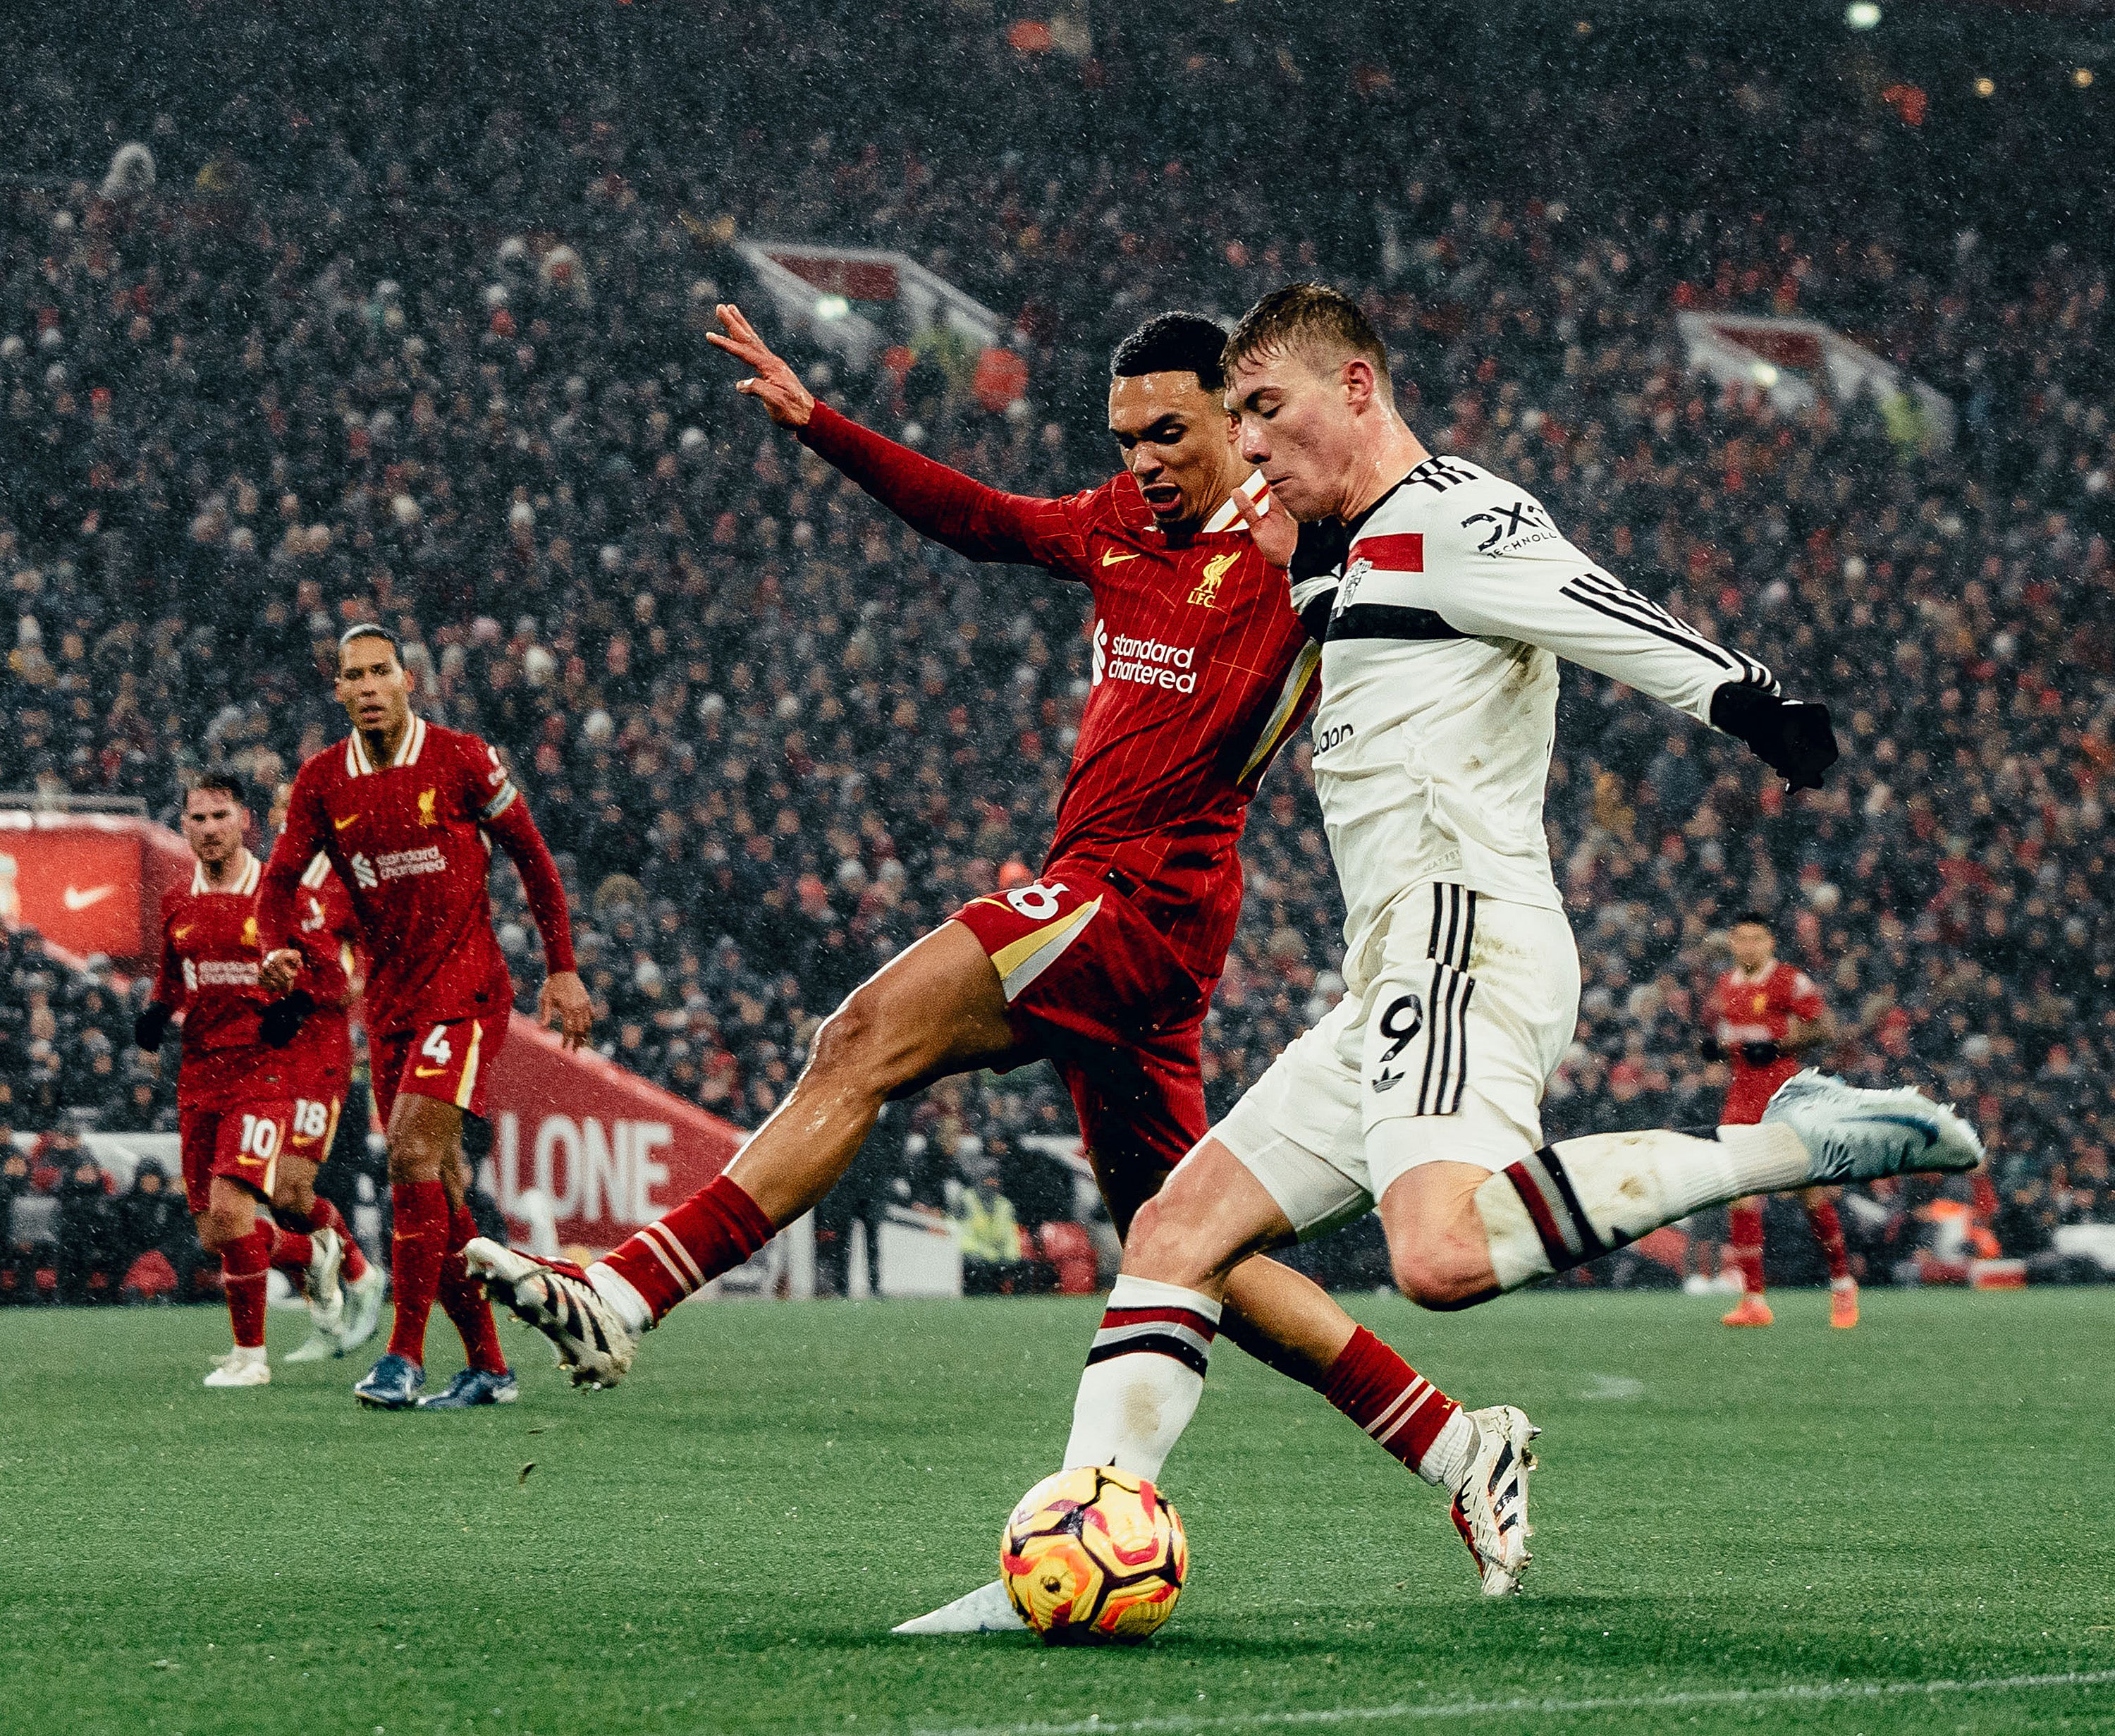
[{"x": 1358, "y": 380}]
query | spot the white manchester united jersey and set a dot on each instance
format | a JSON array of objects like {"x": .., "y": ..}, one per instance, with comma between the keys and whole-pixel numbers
[{"x": 1447, "y": 604}]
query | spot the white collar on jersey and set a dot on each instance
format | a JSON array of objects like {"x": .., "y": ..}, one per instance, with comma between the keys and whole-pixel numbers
[
  {"x": 242, "y": 886},
  {"x": 1228, "y": 519},
  {"x": 358, "y": 764}
]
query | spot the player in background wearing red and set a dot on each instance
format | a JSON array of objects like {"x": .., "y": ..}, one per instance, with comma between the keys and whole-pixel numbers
[
  {"x": 1105, "y": 964},
  {"x": 407, "y": 812},
  {"x": 321, "y": 1057},
  {"x": 1763, "y": 1016},
  {"x": 235, "y": 1088}
]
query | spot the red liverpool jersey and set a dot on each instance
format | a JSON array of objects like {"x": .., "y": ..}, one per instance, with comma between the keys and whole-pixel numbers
[
  {"x": 411, "y": 843},
  {"x": 323, "y": 1047},
  {"x": 209, "y": 973},
  {"x": 1201, "y": 671},
  {"x": 1759, "y": 1009}
]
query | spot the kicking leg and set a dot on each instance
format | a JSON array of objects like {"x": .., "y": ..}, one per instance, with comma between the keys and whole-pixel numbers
[
  {"x": 936, "y": 1008},
  {"x": 1459, "y": 1234}
]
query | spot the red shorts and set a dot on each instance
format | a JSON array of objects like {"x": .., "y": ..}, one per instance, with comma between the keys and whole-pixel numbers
[
  {"x": 242, "y": 1143},
  {"x": 1092, "y": 987},
  {"x": 449, "y": 1062}
]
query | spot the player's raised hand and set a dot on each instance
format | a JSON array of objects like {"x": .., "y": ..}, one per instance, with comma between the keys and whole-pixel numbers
[
  {"x": 1276, "y": 536},
  {"x": 774, "y": 384},
  {"x": 563, "y": 1005}
]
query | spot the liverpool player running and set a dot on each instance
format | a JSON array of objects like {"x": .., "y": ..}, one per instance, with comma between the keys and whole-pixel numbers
[
  {"x": 407, "y": 812},
  {"x": 1103, "y": 965},
  {"x": 235, "y": 1089},
  {"x": 1762, "y": 1015},
  {"x": 321, "y": 1054}
]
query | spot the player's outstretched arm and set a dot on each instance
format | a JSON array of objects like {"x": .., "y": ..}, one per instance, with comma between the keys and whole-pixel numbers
[
  {"x": 1558, "y": 600},
  {"x": 563, "y": 1002},
  {"x": 977, "y": 522}
]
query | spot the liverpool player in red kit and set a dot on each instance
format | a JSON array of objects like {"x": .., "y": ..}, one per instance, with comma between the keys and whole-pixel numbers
[
  {"x": 321, "y": 1057},
  {"x": 1763, "y": 1015},
  {"x": 1105, "y": 965},
  {"x": 408, "y": 813},
  {"x": 235, "y": 1088}
]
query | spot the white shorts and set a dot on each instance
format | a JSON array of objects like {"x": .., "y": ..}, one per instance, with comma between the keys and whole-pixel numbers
[{"x": 1443, "y": 1058}]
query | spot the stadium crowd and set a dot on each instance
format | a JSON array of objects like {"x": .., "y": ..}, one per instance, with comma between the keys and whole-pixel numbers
[{"x": 335, "y": 357}]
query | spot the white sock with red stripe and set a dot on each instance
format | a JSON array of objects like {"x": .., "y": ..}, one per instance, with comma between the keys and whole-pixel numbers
[
  {"x": 1576, "y": 1200},
  {"x": 1145, "y": 1375}
]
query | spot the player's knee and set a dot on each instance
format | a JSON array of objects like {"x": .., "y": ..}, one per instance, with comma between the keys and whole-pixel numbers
[
  {"x": 217, "y": 1230},
  {"x": 414, "y": 1158},
  {"x": 1435, "y": 1273},
  {"x": 863, "y": 1042},
  {"x": 1159, "y": 1245}
]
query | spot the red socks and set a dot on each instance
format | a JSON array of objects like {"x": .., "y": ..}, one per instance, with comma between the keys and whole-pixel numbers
[
  {"x": 324, "y": 1215},
  {"x": 712, "y": 1232},
  {"x": 291, "y": 1253},
  {"x": 243, "y": 1266},
  {"x": 1745, "y": 1230},
  {"x": 417, "y": 1246},
  {"x": 1829, "y": 1232},
  {"x": 464, "y": 1301},
  {"x": 1386, "y": 1397}
]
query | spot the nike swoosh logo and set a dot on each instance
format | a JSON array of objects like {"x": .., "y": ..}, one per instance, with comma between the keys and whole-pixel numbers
[
  {"x": 341, "y": 824},
  {"x": 1930, "y": 1132},
  {"x": 1111, "y": 558},
  {"x": 76, "y": 899},
  {"x": 428, "y": 1072}
]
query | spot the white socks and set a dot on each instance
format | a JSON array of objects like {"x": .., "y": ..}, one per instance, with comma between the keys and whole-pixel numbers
[
  {"x": 613, "y": 1287},
  {"x": 1145, "y": 1375},
  {"x": 1574, "y": 1201}
]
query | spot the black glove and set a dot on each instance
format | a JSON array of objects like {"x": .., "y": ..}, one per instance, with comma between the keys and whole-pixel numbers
[
  {"x": 1795, "y": 737},
  {"x": 282, "y": 1017},
  {"x": 1712, "y": 1049},
  {"x": 152, "y": 1024},
  {"x": 1760, "y": 1054}
]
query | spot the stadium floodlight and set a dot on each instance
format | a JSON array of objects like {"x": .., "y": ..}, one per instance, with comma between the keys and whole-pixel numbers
[
  {"x": 1764, "y": 374},
  {"x": 1986, "y": 87},
  {"x": 2082, "y": 77},
  {"x": 831, "y": 307},
  {"x": 1861, "y": 14}
]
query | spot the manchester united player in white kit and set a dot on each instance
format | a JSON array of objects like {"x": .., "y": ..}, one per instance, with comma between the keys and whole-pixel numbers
[{"x": 1420, "y": 1091}]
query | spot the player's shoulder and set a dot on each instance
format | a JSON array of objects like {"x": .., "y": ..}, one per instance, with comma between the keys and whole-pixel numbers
[
  {"x": 325, "y": 768},
  {"x": 1795, "y": 980},
  {"x": 443, "y": 742}
]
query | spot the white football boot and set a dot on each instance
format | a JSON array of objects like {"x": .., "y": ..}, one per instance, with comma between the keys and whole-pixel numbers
[
  {"x": 365, "y": 1316},
  {"x": 326, "y": 1297},
  {"x": 318, "y": 1347},
  {"x": 987, "y": 1610},
  {"x": 1854, "y": 1135},
  {"x": 594, "y": 1344},
  {"x": 1490, "y": 1507},
  {"x": 240, "y": 1367}
]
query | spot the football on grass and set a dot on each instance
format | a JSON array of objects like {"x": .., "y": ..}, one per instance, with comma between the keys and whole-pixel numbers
[{"x": 1093, "y": 1555}]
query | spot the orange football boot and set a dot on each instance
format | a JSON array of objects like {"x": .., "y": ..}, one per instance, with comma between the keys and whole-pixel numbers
[
  {"x": 1751, "y": 1310},
  {"x": 1843, "y": 1306}
]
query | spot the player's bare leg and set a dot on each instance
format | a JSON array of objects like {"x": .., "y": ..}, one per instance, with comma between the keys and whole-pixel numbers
[
  {"x": 427, "y": 1191},
  {"x": 936, "y": 1008}
]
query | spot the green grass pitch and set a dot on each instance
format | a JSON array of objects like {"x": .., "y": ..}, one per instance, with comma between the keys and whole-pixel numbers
[{"x": 1909, "y": 1526}]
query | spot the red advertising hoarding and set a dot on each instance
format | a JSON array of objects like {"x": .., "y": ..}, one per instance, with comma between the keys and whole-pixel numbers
[{"x": 610, "y": 1150}]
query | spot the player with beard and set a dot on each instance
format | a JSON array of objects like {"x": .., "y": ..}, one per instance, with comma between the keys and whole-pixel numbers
[
  {"x": 408, "y": 812},
  {"x": 1105, "y": 964}
]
